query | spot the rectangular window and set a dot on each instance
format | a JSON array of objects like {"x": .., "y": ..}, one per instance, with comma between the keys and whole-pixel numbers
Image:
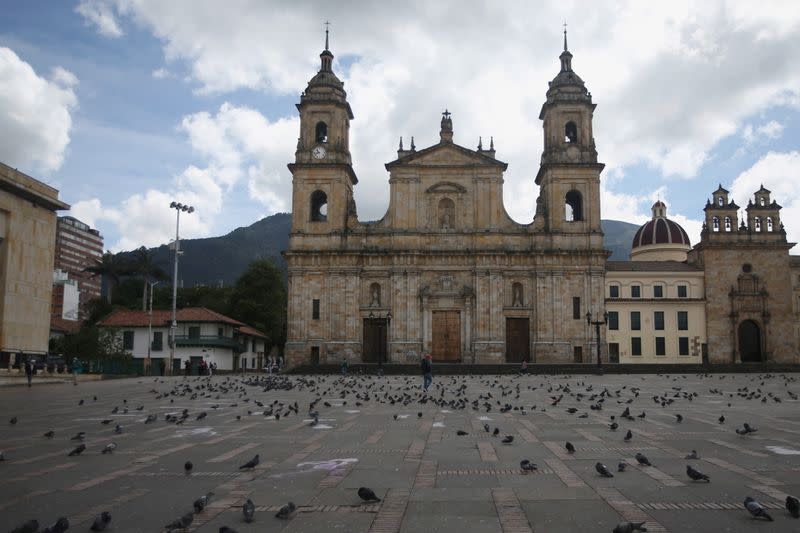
[
  {"x": 682, "y": 291},
  {"x": 636, "y": 291},
  {"x": 614, "y": 291},
  {"x": 127, "y": 340},
  {"x": 661, "y": 346},
  {"x": 158, "y": 341},
  {"x": 683, "y": 345},
  {"x": 315, "y": 309},
  {"x": 636, "y": 320},
  {"x": 194, "y": 332},
  {"x": 683, "y": 320},
  {"x": 658, "y": 320},
  {"x": 658, "y": 291},
  {"x": 636, "y": 346},
  {"x": 220, "y": 332},
  {"x": 613, "y": 320},
  {"x": 576, "y": 307}
]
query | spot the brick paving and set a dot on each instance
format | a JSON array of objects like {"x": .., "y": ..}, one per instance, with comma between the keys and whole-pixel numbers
[{"x": 428, "y": 476}]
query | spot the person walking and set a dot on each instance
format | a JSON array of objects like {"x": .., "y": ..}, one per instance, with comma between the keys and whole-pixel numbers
[
  {"x": 524, "y": 367},
  {"x": 344, "y": 367},
  {"x": 76, "y": 368},
  {"x": 187, "y": 367},
  {"x": 29, "y": 371},
  {"x": 427, "y": 371}
]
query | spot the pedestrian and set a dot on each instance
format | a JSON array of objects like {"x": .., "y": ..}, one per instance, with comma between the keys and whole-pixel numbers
[
  {"x": 29, "y": 371},
  {"x": 75, "y": 369},
  {"x": 212, "y": 368},
  {"x": 524, "y": 367},
  {"x": 187, "y": 367},
  {"x": 427, "y": 371},
  {"x": 344, "y": 367}
]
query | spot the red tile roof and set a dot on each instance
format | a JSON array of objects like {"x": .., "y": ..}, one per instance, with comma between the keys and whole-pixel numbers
[
  {"x": 131, "y": 318},
  {"x": 247, "y": 330},
  {"x": 61, "y": 325}
]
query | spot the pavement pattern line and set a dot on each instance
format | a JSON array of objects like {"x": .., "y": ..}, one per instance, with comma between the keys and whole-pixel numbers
[
  {"x": 376, "y": 437},
  {"x": 662, "y": 477},
  {"x": 772, "y": 492},
  {"x": 24, "y": 497},
  {"x": 629, "y": 510},
  {"x": 37, "y": 473},
  {"x": 509, "y": 511},
  {"x": 758, "y": 478},
  {"x": 493, "y": 472},
  {"x": 565, "y": 474},
  {"x": 415, "y": 450},
  {"x": 426, "y": 475},
  {"x": 92, "y": 512},
  {"x": 737, "y": 448},
  {"x": 487, "y": 452},
  {"x": 233, "y": 453},
  {"x": 392, "y": 510},
  {"x": 586, "y": 434}
]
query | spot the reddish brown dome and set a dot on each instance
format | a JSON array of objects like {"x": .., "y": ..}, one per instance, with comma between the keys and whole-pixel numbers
[{"x": 660, "y": 230}]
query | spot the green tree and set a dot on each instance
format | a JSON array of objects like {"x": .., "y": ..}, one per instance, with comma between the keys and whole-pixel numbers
[
  {"x": 144, "y": 266},
  {"x": 259, "y": 300},
  {"x": 111, "y": 269}
]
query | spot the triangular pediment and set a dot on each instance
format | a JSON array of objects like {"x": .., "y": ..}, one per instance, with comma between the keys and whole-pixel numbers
[{"x": 446, "y": 154}]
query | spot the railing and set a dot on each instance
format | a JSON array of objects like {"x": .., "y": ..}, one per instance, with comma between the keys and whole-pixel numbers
[{"x": 214, "y": 341}]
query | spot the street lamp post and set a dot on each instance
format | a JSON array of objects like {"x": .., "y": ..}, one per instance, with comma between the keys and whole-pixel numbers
[
  {"x": 597, "y": 324},
  {"x": 178, "y": 207},
  {"x": 150, "y": 326}
]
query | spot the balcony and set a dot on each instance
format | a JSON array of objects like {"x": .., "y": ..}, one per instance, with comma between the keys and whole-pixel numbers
[{"x": 208, "y": 341}]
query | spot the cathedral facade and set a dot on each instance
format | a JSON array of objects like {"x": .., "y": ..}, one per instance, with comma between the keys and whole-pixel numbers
[{"x": 446, "y": 271}]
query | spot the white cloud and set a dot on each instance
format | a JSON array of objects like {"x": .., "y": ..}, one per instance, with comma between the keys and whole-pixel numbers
[
  {"x": 770, "y": 130},
  {"x": 35, "y": 114},
  {"x": 160, "y": 73},
  {"x": 99, "y": 13},
  {"x": 780, "y": 173}
]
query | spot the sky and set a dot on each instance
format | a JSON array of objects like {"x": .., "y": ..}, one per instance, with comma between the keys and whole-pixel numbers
[{"x": 127, "y": 105}]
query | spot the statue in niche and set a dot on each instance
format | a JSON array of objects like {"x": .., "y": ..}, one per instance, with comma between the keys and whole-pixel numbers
[
  {"x": 447, "y": 210},
  {"x": 516, "y": 291},
  {"x": 376, "y": 295}
]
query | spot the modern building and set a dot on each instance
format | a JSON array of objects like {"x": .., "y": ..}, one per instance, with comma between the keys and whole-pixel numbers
[
  {"x": 445, "y": 270},
  {"x": 28, "y": 210},
  {"x": 202, "y": 334},
  {"x": 77, "y": 247}
]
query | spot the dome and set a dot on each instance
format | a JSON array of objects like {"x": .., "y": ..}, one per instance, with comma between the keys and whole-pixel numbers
[{"x": 660, "y": 238}]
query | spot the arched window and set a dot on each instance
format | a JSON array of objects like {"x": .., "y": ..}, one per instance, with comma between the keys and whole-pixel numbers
[
  {"x": 375, "y": 295},
  {"x": 757, "y": 223},
  {"x": 719, "y": 201},
  {"x": 769, "y": 223},
  {"x": 715, "y": 223},
  {"x": 517, "y": 296},
  {"x": 573, "y": 207},
  {"x": 570, "y": 132},
  {"x": 319, "y": 206},
  {"x": 728, "y": 226},
  {"x": 762, "y": 201},
  {"x": 447, "y": 213},
  {"x": 321, "y": 133}
]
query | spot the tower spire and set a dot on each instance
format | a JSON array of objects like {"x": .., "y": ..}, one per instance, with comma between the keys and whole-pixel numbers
[
  {"x": 327, "y": 26},
  {"x": 565, "y": 37}
]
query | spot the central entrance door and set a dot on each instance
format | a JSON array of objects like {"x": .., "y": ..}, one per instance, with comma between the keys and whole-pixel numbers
[
  {"x": 518, "y": 345},
  {"x": 749, "y": 342},
  {"x": 374, "y": 347},
  {"x": 446, "y": 336}
]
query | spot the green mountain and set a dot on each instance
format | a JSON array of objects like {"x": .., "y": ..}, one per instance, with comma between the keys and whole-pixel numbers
[{"x": 215, "y": 261}]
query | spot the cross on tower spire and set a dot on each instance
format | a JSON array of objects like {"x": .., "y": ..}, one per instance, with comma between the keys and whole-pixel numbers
[
  {"x": 565, "y": 37},
  {"x": 327, "y": 26}
]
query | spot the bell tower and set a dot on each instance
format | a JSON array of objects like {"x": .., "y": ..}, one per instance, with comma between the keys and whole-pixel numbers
[
  {"x": 322, "y": 173},
  {"x": 569, "y": 176}
]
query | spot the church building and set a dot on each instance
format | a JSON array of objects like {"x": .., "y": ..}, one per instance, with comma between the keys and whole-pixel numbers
[{"x": 446, "y": 271}]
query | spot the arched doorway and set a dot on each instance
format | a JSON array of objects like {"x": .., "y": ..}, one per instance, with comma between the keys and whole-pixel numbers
[{"x": 749, "y": 342}]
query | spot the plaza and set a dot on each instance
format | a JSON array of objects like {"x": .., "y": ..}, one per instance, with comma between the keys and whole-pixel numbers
[{"x": 382, "y": 433}]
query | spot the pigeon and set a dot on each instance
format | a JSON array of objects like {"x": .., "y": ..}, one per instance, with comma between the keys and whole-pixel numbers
[
  {"x": 367, "y": 494},
  {"x": 106, "y": 421},
  {"x": 461, "y": 433},
  {"x": 110, "y": 447},
  {"x": 721, "y": 419},
  {"x": 496, "y": 432},
  {"x": 613, "y": 426},
  {"x": 693, "y": 455},
  {"x": 101, "y": 521},
  {"x": 793, "y": 506},
  {"x": 252, "y": 463},
  {"x": 118, "y": 429},
  {"x": 61, "y": 525},
  {"x": 527, "y": 466},
  {"x": 78, "y": 450},
  {"x": 150, "y": 418},
  {"x": 13, "y": 420},
  {"x": 50, "y": 434},
  {"x": 80, "y": 402},
  {"x": 286, "y": 511},
  {"x": 187, "y": 467},
  {"x": 200, "y": 503},
  {"x": 629, "y": 527},
  {"x": 508, "y": 439},
  {"x": 621, "y": 467},
  {"x": 603, "y": 470},
  {"x": 628, "y": 436},
  {"x": 79, "y": 436},
  {"x": 31, "y": 526},
  {"x": 756, "y": 509},
  {"x": 249, "y": 510},
  {"x": 695, "y": 474},
  {"x": 678, "y": 418},
  {"x": 486, "y": 428},
  {"x": 419, "y": 415},
  {"x": 201, "y": 416},
  {"x": 570, "y": 448},
  {"x": 226, "y": 529},
  {"x": 181, "y": 523},
  {"x": 642, "y": 459}
]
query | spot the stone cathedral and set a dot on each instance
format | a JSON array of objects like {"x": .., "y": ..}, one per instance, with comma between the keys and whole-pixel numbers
[{"x": 446, "y": 271}]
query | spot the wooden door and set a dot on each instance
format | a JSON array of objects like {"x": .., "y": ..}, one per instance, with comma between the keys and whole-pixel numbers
[
  {"x": 518, "y": 345},
  {"x": 374, "y": 345},
  {"x": 446, "y": 341}
]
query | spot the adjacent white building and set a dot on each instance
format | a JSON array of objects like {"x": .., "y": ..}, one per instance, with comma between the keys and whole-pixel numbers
[{"x": 202, "y": 335}]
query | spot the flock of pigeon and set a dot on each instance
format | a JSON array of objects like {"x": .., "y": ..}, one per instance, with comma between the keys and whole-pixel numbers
[{"x": 448, "y": 392}]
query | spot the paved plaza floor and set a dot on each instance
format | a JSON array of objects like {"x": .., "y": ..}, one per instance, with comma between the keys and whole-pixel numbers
[{"x": 428, "y": 476}]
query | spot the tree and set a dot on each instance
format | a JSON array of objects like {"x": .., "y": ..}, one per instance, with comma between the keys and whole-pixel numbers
[
  {"x": 143, "y": 265},
  {"x": 259, "y": 300},
  {"x": 109, "y": 268}
]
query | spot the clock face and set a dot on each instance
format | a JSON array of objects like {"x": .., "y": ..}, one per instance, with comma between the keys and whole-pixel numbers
[{"x": 319, "y": 152}]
